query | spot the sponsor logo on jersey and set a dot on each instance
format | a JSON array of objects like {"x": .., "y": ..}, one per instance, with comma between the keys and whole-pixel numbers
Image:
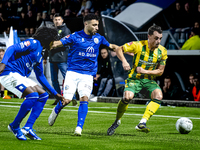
[
  {"x": 130, "y": 43},
  {"x": 22, "y": 45},
  {"x": 67, "y": 36},
  {"x": 27, "y": 43},
  {"x": 90, "y": 50},
  {"x": 96, "y": 40}
]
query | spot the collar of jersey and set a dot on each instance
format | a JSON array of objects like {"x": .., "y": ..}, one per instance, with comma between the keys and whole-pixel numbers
[{"x": 85, "y": 35}]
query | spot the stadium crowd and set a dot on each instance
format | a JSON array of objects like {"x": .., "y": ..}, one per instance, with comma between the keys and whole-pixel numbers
[{"x": 27, "y": 15}]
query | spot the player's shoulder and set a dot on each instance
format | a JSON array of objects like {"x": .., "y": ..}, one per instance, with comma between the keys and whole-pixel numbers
[
  {"x": 28, "y": 43},
  {"x": 143, "y": 42},
  {"x": 162, "y": 48}
]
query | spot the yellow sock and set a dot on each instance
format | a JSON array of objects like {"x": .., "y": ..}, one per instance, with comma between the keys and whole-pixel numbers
[
  {"x": 151, "y": 108},
  {"x": 122, "y": 107}
]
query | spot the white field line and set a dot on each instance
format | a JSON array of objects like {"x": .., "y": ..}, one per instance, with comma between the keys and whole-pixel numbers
[
  {"x": 71, "y": 106},
  {"x": 162, "y": 116}
]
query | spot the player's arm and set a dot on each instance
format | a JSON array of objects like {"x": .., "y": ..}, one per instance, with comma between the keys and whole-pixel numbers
[
  {"x": 55, "y": 44},
  {"x": 120, "y": 55},
  {"x": 43, "y": 81},
  {"x": 67, "y": 40},
  {"x": 113, "y": 47},
  {"x": 157, "y": 72}
]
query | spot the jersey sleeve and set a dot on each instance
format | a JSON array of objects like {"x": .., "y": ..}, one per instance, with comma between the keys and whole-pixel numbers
[
  {"x": 164, "y": 57},
  {"x": 67, "y": 39},
  {"x": 105, "y": 42},
  {"x": 131, "y": 47},
  {"x": 26, "y": 45},
  {"x": 38, "y": 69}
]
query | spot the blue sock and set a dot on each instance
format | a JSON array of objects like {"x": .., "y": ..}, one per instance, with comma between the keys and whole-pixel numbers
[
  {"x": 82, "y": 113},
  {"x": 37, "y": 109},
  {"x": 58, "y": 107},
  {"x": 26, "y": 106}
]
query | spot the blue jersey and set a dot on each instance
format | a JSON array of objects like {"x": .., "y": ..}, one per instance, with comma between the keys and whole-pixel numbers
[
  {"x": 23, "y": 58},
  {"x": 84, "y": 51}
]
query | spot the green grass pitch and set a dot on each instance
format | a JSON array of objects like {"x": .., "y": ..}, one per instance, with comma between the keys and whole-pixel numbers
[{"x": 163, "y": 134}]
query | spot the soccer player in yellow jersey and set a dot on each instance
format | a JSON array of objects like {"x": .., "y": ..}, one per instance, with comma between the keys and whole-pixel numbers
[{"x": 149, "y": 61}]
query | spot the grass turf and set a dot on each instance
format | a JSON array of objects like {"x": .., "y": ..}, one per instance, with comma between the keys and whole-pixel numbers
[{"x": 163, "y": 134}]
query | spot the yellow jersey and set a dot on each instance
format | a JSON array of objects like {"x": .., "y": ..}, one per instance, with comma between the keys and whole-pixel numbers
[{"x": 145, "y": 58}]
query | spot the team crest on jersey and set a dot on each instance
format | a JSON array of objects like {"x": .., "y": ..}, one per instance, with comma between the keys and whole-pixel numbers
[
  {"x": 96, "y": 40},
  {"x": 27, "y": 43},
  {"x": 130, "y": 43}
]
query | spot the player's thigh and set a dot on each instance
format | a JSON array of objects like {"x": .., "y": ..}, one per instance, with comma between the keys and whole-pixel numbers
[
  {"x": 70, "y": 85},
  {"x": 85, "y": 85},
  {"x": 151, "y": 88},
  {"x": 133, "y": 86},
  {"x": 16, "y": 83}
]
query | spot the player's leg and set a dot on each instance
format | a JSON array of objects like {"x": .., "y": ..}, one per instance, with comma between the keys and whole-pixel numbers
[
  {"x": 68, "y": 92},
  {"x": 130, "y": 89},
  {"x": 35, "y": 113},
  {"x": 153, "y": 105},
  {"x": 84, "y": 89},
  {"x": 16, "y": 83},
  {"x": 26, "y": 106},
  {"x": 121, "y": 109}
]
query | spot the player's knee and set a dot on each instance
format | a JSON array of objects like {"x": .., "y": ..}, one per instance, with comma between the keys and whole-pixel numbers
[
  {"x": 30, "y": 100},
  {"x": 128, "y": 95},
  {"x": 157, "y": 94},
  {"x": 84, "y": 98}
]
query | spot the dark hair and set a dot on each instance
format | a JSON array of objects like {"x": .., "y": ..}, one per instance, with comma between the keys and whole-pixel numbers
[
  {"x": 57, "y": 15},
  {"x": 2, "y": 50},
  {"x": 154, "y": 28},
  {"x": 90, "y": 17},
  {"x": 196, "y": 76},
  {"x": 196, "y": 31},
  {"x": 46, "y": 35}
]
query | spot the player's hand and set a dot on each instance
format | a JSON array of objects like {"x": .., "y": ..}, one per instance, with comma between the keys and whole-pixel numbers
[
  {"x": 51, "y": 45},
  {"x": 65, "y": 101},
  {"x": 44, "y": 62},
  {"x": 2, "y": 67},
  {"x": 126, "y": 66},
  {"x": 55, "y": 44},
  {"x": 97, "y": 76},
  {"x": 140, "y": 70}
]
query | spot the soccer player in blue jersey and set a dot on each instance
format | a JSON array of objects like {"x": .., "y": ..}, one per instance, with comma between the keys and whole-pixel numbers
[
  {"x": 82, "y": 66},
  {"x": 18, "y": 62}
]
